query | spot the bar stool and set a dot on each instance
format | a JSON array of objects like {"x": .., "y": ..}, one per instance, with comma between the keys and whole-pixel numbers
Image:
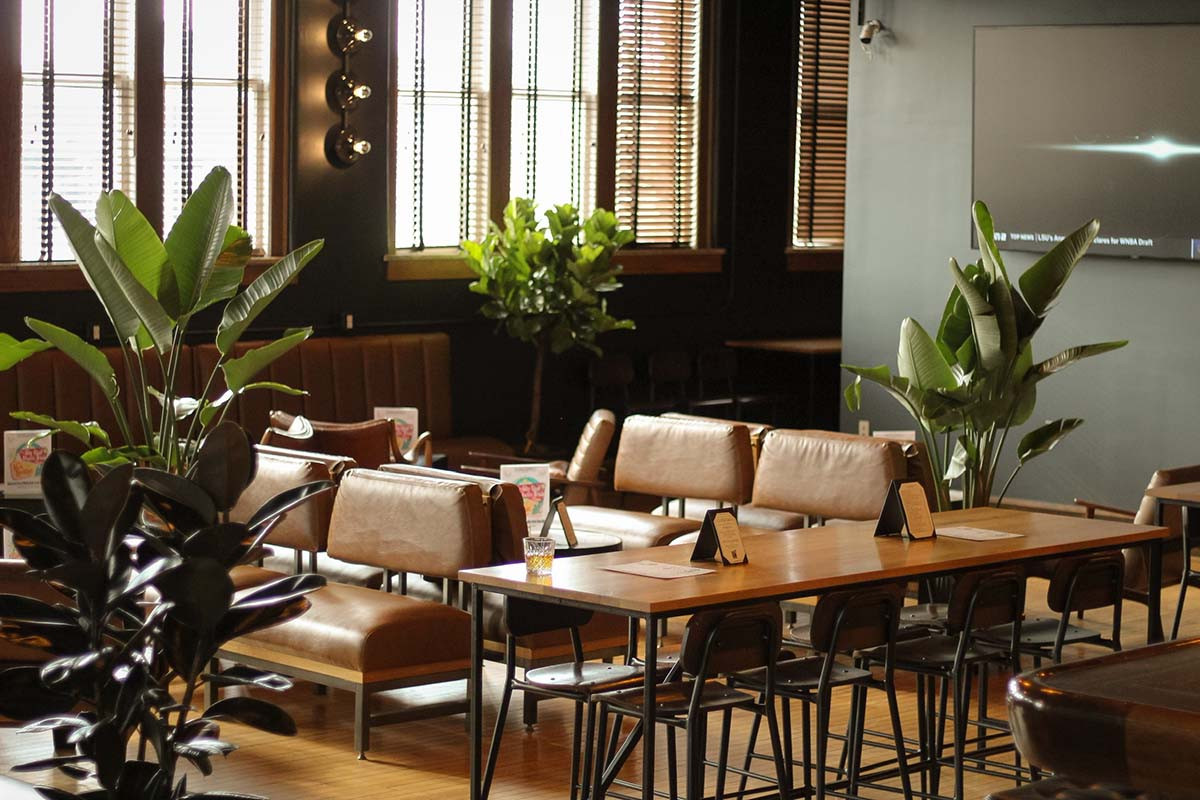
[
  {"x": 842, "y": 623},
  {"x": 580, "y": 681},
  {"x": 715, "y": 642},
  {"x": 981, "y": 600}
]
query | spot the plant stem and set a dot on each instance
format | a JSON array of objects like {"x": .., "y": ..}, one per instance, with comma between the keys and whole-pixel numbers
[
  {"x": 1007, "y": 483},
  {"x": 535, "y": 404},
  {"x": 203, "y": 396}
]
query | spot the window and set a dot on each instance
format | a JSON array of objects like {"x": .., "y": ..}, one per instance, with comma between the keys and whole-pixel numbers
[
  {"x": 216, "y": 100},
  {"x": 76, "y": 112},
  {"x": 488, "y": 109},
  {"x": 95, "y": 101},
  {"x": 657, "y": 88},
  {"x": 821, "y": 86}
]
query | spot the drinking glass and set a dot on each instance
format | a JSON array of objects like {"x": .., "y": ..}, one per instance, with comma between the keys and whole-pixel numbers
[{"x": 539, "y": 554}]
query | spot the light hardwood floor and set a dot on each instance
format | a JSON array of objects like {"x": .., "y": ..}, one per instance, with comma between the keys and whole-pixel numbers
[{"x": 428, "y": 760}]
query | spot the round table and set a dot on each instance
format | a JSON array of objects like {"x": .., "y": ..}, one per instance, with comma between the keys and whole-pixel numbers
[{"x": 587, "y": 543}]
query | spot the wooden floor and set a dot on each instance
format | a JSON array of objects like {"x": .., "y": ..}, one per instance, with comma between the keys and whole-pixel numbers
[{"x": 428, "y": 759}]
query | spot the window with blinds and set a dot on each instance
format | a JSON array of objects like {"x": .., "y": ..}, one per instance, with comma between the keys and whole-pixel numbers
[
  {"x": 216, "y": 98},
  {"x": 441, "y": 122},
  {"x": 657, "y": 120},
  {"x": 821, "y": 88},
  {"x": 77, "y": 131},
  {"x": 554, "y": 83}
]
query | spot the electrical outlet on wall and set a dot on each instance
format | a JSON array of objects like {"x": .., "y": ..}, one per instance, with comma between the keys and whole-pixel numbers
[{"x": 864, "y": 427}]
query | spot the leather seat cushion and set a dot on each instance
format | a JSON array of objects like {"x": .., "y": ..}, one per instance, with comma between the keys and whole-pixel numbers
[
  {"x": 367, "y": 630},
  {"x": 336, "y": 570},
  {"x": 634, "y": 528},
  {"x": 603, "y": 629},
  {"x": 771, "y": 518}
]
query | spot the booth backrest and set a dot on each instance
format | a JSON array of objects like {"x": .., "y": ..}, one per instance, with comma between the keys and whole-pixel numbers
[
  {"x": 345, "y": 377},
  {"x": 667, "y": 457},
  {"x": 370, "y": 443},
  {"x": 827, "y": 474},
  {"x": 506, "y": 508},
  {"x": 407, "y": 523},
  {"x": 305, "y": 527}
]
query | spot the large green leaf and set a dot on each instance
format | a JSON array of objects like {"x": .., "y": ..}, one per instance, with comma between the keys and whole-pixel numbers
[
  {"x": 83, "y": 431},
  {"x": 1066, "y": 358},
  {"x": 96, "y": 269},
  {"x": 1026, "y": 394},
  {"x": 133, "y": 237},
  {"x": 13, "y": 352},
  {"x": 1042, "y": 282},
  {"x": 986, "y": 231},
  {"x": 240, "y": 371},
  {"x": 198, "y": 236},
  {"x": 1044, "y": 438},
  {"x": 955, "y": 327},
  {"x": 920, "y": 361},
  {"x": 245, "y": 308},
  {"x": 966, "y": 455},
  {"x": 156, "y": 326},
  {"x": 85, "y": 355},
  {"x": 229, "y": 270},
  {"x": 989, "y": 348}
]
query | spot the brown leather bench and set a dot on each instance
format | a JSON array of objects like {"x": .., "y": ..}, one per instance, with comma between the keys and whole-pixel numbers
[
  {"x": 346, "y": 378},
  {"x": 365, "y": 640}
]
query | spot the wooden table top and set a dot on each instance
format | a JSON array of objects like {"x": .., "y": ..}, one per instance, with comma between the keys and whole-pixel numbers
[
  {"x": 1131, "y": 718},
  {"x": 1179, "y": 493},
  {"x": 808, "y": 561},
  {"x": 810, "y": 346}
]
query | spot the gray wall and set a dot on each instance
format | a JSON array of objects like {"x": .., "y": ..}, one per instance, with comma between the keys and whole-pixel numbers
[{"x": 907, "y": 210}]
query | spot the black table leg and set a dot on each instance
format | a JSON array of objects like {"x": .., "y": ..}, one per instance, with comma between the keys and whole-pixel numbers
[
  {"x": 1154, "y": 628},
  {"x": 475, "y": 689},
  {"x": 649, "y": 705}
]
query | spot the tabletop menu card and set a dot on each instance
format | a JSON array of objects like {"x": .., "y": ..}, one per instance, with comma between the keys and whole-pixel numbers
[
  {"x": 533, "y": 481},
  {"x": 906, "y": 512},
  {"x": 558, "y": 509},
  {"x": 25, "y": 451},
  {"x": 405, "y": 420},
  {"x": 658, "y": 569},
  {"x": 720, "y": 534}
]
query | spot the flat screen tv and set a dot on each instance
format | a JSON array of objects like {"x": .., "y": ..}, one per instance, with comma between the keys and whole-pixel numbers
[{"x": 1081, "y": 121}]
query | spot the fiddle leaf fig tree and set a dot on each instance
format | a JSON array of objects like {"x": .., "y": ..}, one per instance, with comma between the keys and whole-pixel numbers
[
  {"x": 545, "y": 283},
  {"x": 150, "y": 290},
  {"x": 976, "y": 379}
]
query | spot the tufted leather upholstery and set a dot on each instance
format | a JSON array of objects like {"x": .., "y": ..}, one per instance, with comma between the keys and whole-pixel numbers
[
  {"x": 826, "y": 474},
  {"x": 346, "y": 378},
  {"x": 410, "y": 524}
]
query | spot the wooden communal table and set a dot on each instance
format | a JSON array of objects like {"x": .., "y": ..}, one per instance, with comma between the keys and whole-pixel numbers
[
  {"x": 811, "y": 347},
  {"x": 786, "y": 565},
  {"x": 1130, "y": 718},
  {"x": 1187, "y": 497}
]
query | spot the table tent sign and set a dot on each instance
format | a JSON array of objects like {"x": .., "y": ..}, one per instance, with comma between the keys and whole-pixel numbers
[
  {"x": 25, "y": 451},
  {"x": 405, "y": 422},
  {"x": 533, "y": 480}
]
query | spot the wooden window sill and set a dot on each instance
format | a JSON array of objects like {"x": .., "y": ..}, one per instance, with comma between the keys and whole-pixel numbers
[
  {"x": 814, "y": 259},
  {"x": 448, "y": 264},
  {"x": 65, "y": 276}
]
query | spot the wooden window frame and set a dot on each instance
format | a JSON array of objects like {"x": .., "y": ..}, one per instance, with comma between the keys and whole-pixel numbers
[
  {"x": 64, "y": 276},
  {"x": 446, "y": 263}
]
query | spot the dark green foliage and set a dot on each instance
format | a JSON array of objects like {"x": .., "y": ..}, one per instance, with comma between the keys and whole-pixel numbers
[{"x": 105, "y": 543}]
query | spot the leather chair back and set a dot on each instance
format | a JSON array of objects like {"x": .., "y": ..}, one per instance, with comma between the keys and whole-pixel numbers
[
  {"x": 506, "y": 508},
  {"x": 407, "y": 523},
  {"x": 307, "y": 526},
  {"x": 985, "y": 599},
  {"x": 593, "y": 445},
  {"x": 1086, "y": 582},
  {"x": 370, "y": 442},
  {"x": 758, "y": 430},
  {"x": 1136, "y": 570},
  {"x": 668, "y": 457},
  {"x": 846, "y": 621},
  {"x": 827, "y": 474}
]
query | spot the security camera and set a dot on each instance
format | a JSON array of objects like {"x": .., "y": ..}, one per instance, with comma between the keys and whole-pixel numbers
[{"x": 869, "y": 30}]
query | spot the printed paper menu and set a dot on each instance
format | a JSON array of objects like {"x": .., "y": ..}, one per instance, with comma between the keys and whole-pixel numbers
[
  {"x": 25, "y": 452},
  {"x": 534, "y": 482},
  {"x": 405, "y": 420}
]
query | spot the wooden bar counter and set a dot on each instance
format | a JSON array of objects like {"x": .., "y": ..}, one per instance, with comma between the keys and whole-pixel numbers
[{"x": 1131, "y": 718}]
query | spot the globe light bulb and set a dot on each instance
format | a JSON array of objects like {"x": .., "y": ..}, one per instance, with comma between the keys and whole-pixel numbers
[
  {"x": 361, "y": 146},
  {"x": 362, "y": 91},
  {"x": 364, "y": 35}
]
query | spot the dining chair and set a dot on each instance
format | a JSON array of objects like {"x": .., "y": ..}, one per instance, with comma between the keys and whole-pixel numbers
[{"x": 370, "y": 442}]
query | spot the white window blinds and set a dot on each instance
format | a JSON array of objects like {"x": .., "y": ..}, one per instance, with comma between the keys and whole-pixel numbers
[
  {"x": 554, "y": 75},
  {"x": 441, "y": 122},
  {"x": 822, "y": 83},
  {"x": 77, "y": 132},
  {"x": 216, "y": 99},
  {"x": 657, "y": 118}
]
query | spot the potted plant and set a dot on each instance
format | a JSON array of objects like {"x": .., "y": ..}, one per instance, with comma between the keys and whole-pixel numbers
[
  {"x": 545, "y": 283},
  {"x": 976, "y": 380},
  {"x": 150, "y": 290},
  {"x": 141, "y": 557}
]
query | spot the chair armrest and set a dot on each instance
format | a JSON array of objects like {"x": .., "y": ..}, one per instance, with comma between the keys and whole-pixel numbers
[
  {"x": 1091, "y": 508},
  {"x": 501, "y": 458},
  {"x": 487, "y": 472},
  {"x": 421, "y": 451}
]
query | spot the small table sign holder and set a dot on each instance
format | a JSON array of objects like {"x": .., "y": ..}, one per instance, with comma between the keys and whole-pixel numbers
[
  {"x": 558, "y": 509},
  {"x": 906, "y": 512},
  {"x": 720, "y": 535}
]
